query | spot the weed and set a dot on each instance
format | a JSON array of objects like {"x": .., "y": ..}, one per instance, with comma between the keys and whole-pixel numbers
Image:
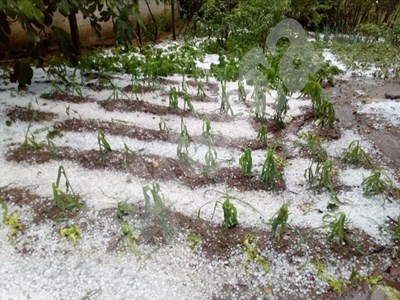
[
  {"x": 321, "y": 178},
  {"x": 262, "y": 135},
  {"x": 12, "y": 220},
  {"x": 173, "y": 99},
  {"x": 184, "y": 142},
  {"x": 104, "y": 146},
  {"x": 68, "y": 111},
  {"x": 246, "y": 162},
  {"x": 379, "y": 183},
  {"x": 279, "y": 221},
  {"x": 356, "y": 155},
  {"x": 123, "y": 209},
  {"x": 254, "y": 254},
  {"x": 270, "y": 173},
  {"x": 313, "y": 146},
  {"x": 73, "y": 233},
  {"x": 65, "y": 200}
]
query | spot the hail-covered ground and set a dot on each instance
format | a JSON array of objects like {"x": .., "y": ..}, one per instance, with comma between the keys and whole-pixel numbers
[{"x": 40, "y": 263}]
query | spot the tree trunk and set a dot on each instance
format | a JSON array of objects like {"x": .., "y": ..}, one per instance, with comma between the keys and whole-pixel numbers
[
  {"x": 173, "y": 20},
  {"x": 73, "y": 25}
]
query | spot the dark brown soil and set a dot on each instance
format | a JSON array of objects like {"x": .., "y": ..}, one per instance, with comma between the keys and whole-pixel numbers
[
  {"x": 56, "y": 96},
  {"x": 152, "y": 167},
  {"x": 140, "y": 89},
  {"x": 29, "y": 115}
]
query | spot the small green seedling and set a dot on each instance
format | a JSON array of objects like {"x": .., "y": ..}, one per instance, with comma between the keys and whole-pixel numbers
[
  {"x": 123, "y": 209},
  {"x": 104, "y": 146},
  {"x": 324, "y": 113},
  {"x": 312, "y": 146},
  {"x": 254, "y": 254},
  {"x": 230, "y": 213},
  {"x": 379, "y": 183},
  {"x": 12, "y": 220},
  {"x": 65, "y": 200},
  {"x": 279, "y": 222},
  {"x": 73, "y": 233},
  {"x": 357, "y": 156},
  {"x": 321, "y": 178},
  {"x": 270, "y": 173},
  {"x": 173, "y": 99},
  {"x": 246, "y": 162},
  {"x": 262, "y": 135}
]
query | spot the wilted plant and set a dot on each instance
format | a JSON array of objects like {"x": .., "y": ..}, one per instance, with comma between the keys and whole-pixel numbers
[
  {"x": 356, "y": 155},
  {"x": 279, "y": 221},
  {"x": 254, "y": 254},
  {"x": 206, "y": 134},
  {"x": 29, "y": 142},
  {"x": 187, "y": 101},
  {"x": 225, "y": 107},
  {"x": 242, "y": 91},
  {"x": 270, "y": 173},
  {"x": 73, "y": 233},
  {"x": 200, "y": 91},
  {"x": 246, "y": 162},
  {"x": 155, "y": 209},
  {"x": 173, "y": 99},
  {"x": 65, "y": 200},
  {"x": 260, "y": 99},
  {"x": 321, "y": 178},
  {"x": 163, "y": 126},
  {"x": 104, "y": 146},
  {"x": 184, "y": 142},
  {"x": 230, "y": 213},
  {"x": 51, "y": 134},
  {"x": 211, "y": 161},
  {"x": 379, "y": 183},
  {"x": 313, "y": 146}
]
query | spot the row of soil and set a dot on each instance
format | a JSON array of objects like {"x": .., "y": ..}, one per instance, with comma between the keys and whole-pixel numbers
[
  {"x": 215, "y": 242},
  {"x": 136, "y": 132},
  {"x": 150, "y": 167}
]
